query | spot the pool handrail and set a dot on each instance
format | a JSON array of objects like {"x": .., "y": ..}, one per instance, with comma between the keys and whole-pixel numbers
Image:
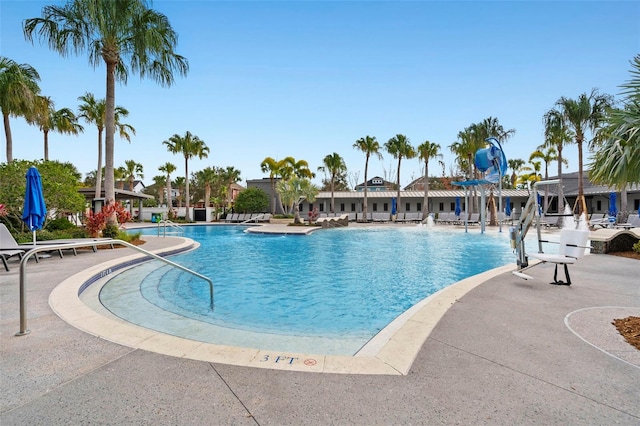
[
  {"x": 173, "y": 225},
  {"x": 23, "y": 271}
]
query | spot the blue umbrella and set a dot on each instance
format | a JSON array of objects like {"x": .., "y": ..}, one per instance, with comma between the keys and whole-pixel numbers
[
  {"x": 539, "y": 204},
  {"x": 613, "y": 210},
  {"x": 34, "y": 210},
  {"x": 507, "y": 209},
  {"x": 458, "y": 209},
  {"x": 393, "y": 205}
]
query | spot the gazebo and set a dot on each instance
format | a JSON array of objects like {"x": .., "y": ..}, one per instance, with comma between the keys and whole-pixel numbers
[{"x": 120, "y": 194}]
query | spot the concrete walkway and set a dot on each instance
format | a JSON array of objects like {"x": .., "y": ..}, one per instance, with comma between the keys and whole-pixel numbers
[{"x": 507, "y": 352}]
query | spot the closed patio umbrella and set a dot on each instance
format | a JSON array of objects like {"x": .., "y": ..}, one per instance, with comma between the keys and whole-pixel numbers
[
  {"x": 458, "y": 209},
  {"x": 507, "y": 209},
  {"x": 613, "y": 210},
  {"x": 34, "y": 210}
]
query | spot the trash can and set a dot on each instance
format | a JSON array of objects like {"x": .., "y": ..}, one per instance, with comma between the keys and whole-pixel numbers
[{"x": 156, "y": 217}]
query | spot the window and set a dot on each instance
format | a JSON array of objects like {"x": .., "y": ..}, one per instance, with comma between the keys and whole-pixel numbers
[
  {"x": 453, "y": 206},
  {"x": 375, "y": 207},
  {"x": 341, "y": 207},
  {"x": 418, "y": 207},
  {"x": 441, "y": 207},
  {"x": 310, "y": 207},
  {"x": 322, "y": 207},
  {"x": 599, "y": 205},
  {"x": 385, "y": 207},
  {"x": 353, "y": 207},
  {"x": 407, "y": 207}
]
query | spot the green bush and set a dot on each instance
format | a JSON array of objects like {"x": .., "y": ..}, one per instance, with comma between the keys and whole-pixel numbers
[
  {"x": 636, "y": 247},
  {"x": 251, "y": 200},
  {"x": 110, "y": 231},
  {"x": 59, "y": 224}
]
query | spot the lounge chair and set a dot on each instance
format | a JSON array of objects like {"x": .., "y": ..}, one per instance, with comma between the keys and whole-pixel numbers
[
  {"x": 633, "y": 221},
  {"x": 8, "y": 244},
  {"x": 6, "y": 254},
  {"x": 572, "y": 247}
]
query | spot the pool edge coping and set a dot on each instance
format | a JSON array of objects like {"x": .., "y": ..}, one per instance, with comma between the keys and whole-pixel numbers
[{"x": 391, "y": 352}]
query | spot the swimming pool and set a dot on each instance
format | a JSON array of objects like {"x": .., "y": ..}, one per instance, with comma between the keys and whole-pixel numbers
[{"x": 330, "y": 291}]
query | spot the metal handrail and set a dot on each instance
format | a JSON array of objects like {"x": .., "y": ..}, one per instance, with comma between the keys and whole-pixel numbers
[
  {"x": 48, "y": 247},
  {"x": 171, "y": 224},
  {"x": 254, "y": 219}
]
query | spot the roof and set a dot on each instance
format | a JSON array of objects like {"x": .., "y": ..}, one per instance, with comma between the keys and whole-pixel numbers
[
  {"x": 120, "y": 194},
  {"x": 449, "y": 193}
]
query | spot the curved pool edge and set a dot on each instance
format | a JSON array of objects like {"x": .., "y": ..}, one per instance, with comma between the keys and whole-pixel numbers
[{"x": 391, "y": 352}]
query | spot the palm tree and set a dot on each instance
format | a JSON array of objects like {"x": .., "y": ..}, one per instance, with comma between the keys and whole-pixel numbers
[
  {"x": 18, "y": 90},
  {"x": 180, "y": 183},
  {"x": 369, "y": 145},
  {"x": 617, "y": 162},
  {"x": 399, "y": 147},
  {"x": 159, "y": 182},
  {"x": 189, "y": 146},
  {"x": 557, "y": 135},
  {"x": 126, "y": 36},
  {"x": 547, "y": 155},
  {"x": 230, "y": 176},
  {"x": 585, "y": 113},
  {"x": 47, "y": 118},
  {"x": 207, "y": 177},
  {"x": 294, "y": 190},
  {"x": 333, "y": 164},
  {"x": 274, "y": 168},
  {"x": 132, "y": 170},
  {"x": 168, "y": 168},
  {"x": 93, "y": 111},
  {"x": 515, "y": 164},
  {"x": 426, "y": 151},
  {"x": 120, "y": 174}
]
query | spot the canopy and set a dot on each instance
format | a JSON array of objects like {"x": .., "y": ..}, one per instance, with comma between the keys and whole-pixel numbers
[
  {"x": 34, "y": 210},
  {"x": 458, "y": 209},
  {"x": 507, "y": 208},
  {"x": 613, "y": 210}
]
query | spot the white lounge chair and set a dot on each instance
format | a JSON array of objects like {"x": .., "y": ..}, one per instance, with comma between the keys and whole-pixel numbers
[{"x": 572, "y": 247}]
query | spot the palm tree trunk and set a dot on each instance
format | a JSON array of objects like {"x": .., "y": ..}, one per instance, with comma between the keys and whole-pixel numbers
[
  {"x": 186, "y": 184},
  {"x": 333, "y": 207},
  {"x": 560, "y": 190},
  {"x": 273, "y": 196},
  {"x": 46, "y": 145},
  {"x": 99, "y": 170},
  {"x": 7, "y": 134},
  {"x": 580, "y": 202},
  {"x": 169, "y": 203},
  {"x": 366, "y": 170},
  {"x": 398, "y": 197},
  {"x": 110, "y": 128},
  {"x": 425, "y": 207}
]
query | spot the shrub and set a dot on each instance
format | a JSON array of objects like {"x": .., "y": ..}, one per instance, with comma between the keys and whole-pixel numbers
[
  {"x": 636, "y": 247},
  {"x": 59, "y": 224},
  {"x": 251, "y": 200},
  {"x": 110, "y": 231}
]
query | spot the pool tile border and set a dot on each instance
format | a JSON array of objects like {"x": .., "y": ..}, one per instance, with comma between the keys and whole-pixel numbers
[{"x": 390, "y": 352}]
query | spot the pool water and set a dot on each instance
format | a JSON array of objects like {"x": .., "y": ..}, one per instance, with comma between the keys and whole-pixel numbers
[{"x": 344, "y": 283}]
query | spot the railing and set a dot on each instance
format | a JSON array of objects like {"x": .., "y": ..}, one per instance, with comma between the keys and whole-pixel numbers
[
  {"x": 254, "y": 219},
  {"x": 48, "y": 247},
  {"x": 178, "y": 229}
]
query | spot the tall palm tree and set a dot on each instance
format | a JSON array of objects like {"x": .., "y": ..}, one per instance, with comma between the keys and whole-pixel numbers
[
  {"x": 18, "y": 90},
  {"x": 93, "y": 111},
  {"x": 400, "y": 147},
  {"x": 426, "y": 151},
  {"x": 189, "y": 146},
  {"x": 133, "y": 170},
  {"x": 126, "y": 35},
  {"x": 47, "y": 118},
  {"x": 584, "y": 114},
  {"x": 369, "y": 145},
  {"x": 334, "y": 165},
  {"x": 168, "y": 168},
  {"x": 274, "y": 168},
  {"x": 120, "y": 175},
  {"x": 208, "y": 177}
]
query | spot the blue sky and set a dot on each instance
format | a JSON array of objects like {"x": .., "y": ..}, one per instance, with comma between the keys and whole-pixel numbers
[{"x": 309, "y": 78}]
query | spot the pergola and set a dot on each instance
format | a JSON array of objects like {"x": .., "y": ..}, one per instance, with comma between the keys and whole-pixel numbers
[{"x": 120, "y": 194}]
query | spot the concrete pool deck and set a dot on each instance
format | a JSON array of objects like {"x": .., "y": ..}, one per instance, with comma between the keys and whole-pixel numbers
[{"x": 504, "y": 351}]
